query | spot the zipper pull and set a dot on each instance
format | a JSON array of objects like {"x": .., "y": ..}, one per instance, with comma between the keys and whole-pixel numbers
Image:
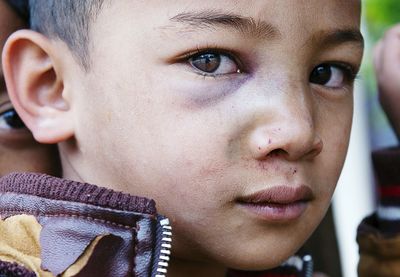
[{"x": 308, "y": 266}]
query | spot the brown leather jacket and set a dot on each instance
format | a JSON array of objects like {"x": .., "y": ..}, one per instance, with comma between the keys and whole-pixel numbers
[{"x": 54, "y": 227}]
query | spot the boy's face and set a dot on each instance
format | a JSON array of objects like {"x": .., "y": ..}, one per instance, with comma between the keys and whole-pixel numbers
[
  {"x": 233, "y": 115},
  {"x": 18, "y": 150}
]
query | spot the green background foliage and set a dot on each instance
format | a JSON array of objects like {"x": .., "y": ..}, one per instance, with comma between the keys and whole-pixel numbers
[{"x": 378, "y": 16}]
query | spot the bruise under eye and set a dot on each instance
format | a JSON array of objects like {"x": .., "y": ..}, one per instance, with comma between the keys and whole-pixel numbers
[{"x": 208, "y": 62}]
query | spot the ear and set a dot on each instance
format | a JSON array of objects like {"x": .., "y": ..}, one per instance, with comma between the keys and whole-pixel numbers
[{"x": 33, "y": 73}]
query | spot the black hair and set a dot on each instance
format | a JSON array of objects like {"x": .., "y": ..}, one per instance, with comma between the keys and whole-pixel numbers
[
  {"x": 67, "y": 20},
  {"x": 21, "y": 7}
]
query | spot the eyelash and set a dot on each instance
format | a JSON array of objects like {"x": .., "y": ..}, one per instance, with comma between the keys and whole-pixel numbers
[
  {"x": 212, "y": 49},
  {"x": 349, "y": 71},
  {"x": 350, "y": 74}
]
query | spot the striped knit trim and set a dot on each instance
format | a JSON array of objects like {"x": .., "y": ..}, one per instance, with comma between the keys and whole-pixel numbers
[
  {"x": 60, "y": 189},
  {"x": 387, "y": 166},
  {"x": 388, "y": 220},
  {"x": 389, "y": 213},
  {"x": 390, "y": 190}
]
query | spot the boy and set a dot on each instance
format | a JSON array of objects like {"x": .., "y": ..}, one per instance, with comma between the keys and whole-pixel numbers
[{"x": 234, "y": 117}]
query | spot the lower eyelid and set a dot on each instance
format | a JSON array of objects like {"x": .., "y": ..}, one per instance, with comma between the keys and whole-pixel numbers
[{"x": 206, "y": 76}]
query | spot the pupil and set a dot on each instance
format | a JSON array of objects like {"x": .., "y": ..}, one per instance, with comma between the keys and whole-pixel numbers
[
  {"x": 207, "y": 62},
  {"x": 13, "y": 120},
  {"x": 321, "y": 75}
]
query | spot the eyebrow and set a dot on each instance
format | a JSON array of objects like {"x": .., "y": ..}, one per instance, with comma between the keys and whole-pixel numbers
[
  {"x": 336, "y": 37},
  {"x": 210, "y": 19}
]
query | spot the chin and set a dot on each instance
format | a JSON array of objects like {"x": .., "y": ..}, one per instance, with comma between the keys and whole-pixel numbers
[
  {"x": 256, "y": 266},
  {"x": 261, "y": 260}
]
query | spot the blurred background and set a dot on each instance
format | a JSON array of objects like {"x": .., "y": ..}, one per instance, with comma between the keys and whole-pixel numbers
[{"x": 355, "y": 194}]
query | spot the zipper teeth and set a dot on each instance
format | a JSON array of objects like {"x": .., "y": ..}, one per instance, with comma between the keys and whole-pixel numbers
[
  {"x": 309, "y": 266},
  {"x": 165, "y": 252}
]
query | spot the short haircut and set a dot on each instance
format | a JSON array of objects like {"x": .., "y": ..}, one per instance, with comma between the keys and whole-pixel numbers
[{"x": 67, "y": 20}]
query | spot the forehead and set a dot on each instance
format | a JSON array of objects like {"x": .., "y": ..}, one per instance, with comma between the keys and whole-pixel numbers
[
  {"x": 274, "y": 11},
  {"x": 299, "y": 20},
  {"x": 282, "y": 13}
]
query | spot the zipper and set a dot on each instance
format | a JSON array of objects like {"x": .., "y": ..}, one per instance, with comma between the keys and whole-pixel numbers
[
  {"x": 304, "y": 265},
  {"x": 164, "y": 244},
  {"x": 308, "y": 266}
]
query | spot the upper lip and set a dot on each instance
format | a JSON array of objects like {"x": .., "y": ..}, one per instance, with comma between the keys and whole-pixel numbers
[{"x": 279, "y": 195}]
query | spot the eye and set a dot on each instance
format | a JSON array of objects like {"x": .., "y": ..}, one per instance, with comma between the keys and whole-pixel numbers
[
  {"x": 331, "y": 76},
  {"x": 214, "y": 64},
  {"x": 11, "y": 120}
]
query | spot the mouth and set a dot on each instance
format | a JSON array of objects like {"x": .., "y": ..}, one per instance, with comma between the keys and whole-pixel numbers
[{"x": 277, "y": 204}]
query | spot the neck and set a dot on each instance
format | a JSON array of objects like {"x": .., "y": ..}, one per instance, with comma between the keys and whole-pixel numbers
[{"x": 184, "y": 268}]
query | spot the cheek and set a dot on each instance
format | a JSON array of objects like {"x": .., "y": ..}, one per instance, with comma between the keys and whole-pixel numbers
[
  {"x": 337, "y": 142},
  {"x": 339, "y": 137},
  {"x": 194, "y": 171},
  {"x": 171, "y": 154}
]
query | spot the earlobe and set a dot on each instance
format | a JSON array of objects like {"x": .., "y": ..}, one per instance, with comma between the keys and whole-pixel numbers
[{"x": 35, "y": 84}]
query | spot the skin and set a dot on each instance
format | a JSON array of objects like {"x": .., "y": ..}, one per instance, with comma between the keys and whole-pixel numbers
[
  {"x": 198, "y": 144},
  {"x": 387, "y": 62},
  {"x": 18, "y": 149}
]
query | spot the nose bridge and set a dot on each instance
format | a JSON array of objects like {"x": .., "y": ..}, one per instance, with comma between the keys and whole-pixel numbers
[
  {"x": 295, "y": 118},
  {"x": 298, "y": 112},
  {"x": 290, "y": 127},
  {"x": 294, "y": 105}
]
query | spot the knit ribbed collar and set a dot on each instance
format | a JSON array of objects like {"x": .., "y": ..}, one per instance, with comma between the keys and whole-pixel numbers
[{"x": 50, "y": 187}]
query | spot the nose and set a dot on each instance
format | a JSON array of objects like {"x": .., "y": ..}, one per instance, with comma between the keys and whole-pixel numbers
[{"x": 287, "y": 131}]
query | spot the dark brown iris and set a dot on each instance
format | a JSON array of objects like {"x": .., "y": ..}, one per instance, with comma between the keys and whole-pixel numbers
[
  {"x": 321, "y": 74},
  {"x": 208, "y": 62}
]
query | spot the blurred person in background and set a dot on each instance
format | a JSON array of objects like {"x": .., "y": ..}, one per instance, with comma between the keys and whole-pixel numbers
[
  {"x": 18, "y": 149},
  {"x": 379, "y": 234}
]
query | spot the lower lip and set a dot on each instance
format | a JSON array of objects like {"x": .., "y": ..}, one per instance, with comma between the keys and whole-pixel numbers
[{"x": 276, "y": 212}]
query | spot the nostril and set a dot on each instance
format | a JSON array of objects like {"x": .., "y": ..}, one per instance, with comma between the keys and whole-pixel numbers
[
  {"x": 292, "y": 143},
  {"x": 277, "y": 153}
]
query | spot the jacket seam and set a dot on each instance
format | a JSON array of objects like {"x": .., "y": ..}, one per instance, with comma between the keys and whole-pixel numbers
[{"x": 17, "y": 212}]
